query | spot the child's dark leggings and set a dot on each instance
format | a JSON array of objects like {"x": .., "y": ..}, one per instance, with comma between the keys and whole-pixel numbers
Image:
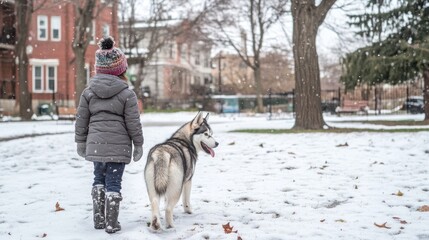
[{"x": 109, "y": 174}]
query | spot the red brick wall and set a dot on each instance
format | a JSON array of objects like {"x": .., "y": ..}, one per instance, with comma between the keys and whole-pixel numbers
[{"x": 62, "y": 49}]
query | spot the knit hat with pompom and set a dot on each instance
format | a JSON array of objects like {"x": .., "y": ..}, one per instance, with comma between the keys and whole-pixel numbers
[{"x": 108, "y": 59}]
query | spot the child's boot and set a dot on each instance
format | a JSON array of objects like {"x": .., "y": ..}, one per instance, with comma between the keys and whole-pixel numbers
[
  {"x": 98, "y": 202},
  {"x": 112, "y": 212}
]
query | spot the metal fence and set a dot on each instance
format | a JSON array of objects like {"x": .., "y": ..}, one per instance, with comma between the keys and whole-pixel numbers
[{"x": 381, "y": 99}]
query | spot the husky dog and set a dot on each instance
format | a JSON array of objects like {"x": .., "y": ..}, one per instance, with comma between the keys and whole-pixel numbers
[{"x": 171, "y": 165}]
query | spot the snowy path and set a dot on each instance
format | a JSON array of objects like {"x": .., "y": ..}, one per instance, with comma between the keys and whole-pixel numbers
[{"x": 294, "y": 186}]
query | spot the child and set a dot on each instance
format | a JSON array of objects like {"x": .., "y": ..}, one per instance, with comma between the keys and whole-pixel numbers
[{"x": 107, "y": 123}]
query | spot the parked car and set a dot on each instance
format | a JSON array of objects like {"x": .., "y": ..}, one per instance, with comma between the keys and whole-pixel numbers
[{"x": 414, "y": 105}]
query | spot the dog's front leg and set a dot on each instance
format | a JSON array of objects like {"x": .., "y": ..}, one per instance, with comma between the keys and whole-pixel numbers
[{"x": 186, "y": 197}]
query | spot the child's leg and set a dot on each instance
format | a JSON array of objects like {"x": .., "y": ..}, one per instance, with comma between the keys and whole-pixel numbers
[
  {"x": 99, "y": 174},
  {"x": 114, "y": 172},
  {"x": 98, "y": 195}
]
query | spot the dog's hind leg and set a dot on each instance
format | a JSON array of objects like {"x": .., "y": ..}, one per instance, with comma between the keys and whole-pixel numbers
[
  {"x": 154, "y": 197},
  {"x": 155, "y": 224},
  {"x": 172, "y": 195},
  {"x": 186, "y": 197}
]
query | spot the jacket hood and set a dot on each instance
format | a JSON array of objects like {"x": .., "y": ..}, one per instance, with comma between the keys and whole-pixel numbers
[{"x": 107, "y": 86}]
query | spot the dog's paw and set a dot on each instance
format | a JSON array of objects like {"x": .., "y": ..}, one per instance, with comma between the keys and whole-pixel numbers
[
  {"x": 155, "y": 224},
  {"x": 170, "y": 226},
  {"x": 187, "y": 209}
]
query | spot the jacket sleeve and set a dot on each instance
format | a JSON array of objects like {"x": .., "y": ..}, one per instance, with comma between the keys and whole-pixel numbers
[
  {"x": 82, "y": 120},
  {"x": 132, "y": 119}
]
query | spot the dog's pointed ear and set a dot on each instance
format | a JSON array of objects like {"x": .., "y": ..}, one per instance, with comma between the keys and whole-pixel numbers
[
  {"x": 207, "y": 117},
  {"x": 196, "y": 122}
]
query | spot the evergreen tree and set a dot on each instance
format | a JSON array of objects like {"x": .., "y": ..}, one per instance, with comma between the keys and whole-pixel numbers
[{"x": 400, "y": 45}]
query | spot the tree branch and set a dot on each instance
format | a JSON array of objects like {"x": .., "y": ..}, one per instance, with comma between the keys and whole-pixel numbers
[{"x": 323, "y": 9}]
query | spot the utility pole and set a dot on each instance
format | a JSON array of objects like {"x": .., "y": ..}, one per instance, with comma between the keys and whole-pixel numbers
[{"x": 220, "y": 72}]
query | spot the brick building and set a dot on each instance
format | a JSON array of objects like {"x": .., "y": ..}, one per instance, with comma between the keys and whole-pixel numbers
[
  {"x": 179, "y": 72},
  {"x": 51, "y": 73}
]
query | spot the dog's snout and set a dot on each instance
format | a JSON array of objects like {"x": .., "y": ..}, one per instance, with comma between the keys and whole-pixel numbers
[{"x": 216, "y": 144}]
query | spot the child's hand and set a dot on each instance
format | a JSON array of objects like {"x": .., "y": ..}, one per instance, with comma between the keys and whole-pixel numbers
[
  {"x": 81, "y": 149},
  {"x": 138, "y": 153}
]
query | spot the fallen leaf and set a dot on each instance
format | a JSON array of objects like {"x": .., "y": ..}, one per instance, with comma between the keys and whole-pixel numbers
[
  {"x": 340, "y": 220},
  {"x": 382, "y": 225},
  {"x": 424, "y": 208},
  {"x": 291, "y": 153},
  {"x": 261, "y": 145},
  {"x": 58, "y": 208},
  {"x": 399, "y": 194},
  {"x": 343, "y": 145},
  {"x": 231, "y": 143},
  {"x": 228, "y": 229},
  {"x": 239, "y": 238},
  {"x": 396, "y": 218},
  {"x": 322, "y": 220},
  {"x": 403, "y": 222}
]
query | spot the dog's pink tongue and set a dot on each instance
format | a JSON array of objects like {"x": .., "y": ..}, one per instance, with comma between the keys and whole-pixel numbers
[{"x": 211, "y": 152}]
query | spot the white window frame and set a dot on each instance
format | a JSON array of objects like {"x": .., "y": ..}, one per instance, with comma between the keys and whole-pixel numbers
[
  {"x": 41, "y": 78},
  {"x": 45, "y": 18},
  {"x": 56, "y": 25},
  {"x": 106, "y": 30},
  {"x": 55, "y": 78},
  {"x": 44, "y": 64}
]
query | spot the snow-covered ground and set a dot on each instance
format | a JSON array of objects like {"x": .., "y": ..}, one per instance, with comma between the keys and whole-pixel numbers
[{"x": 286, "y": 186}]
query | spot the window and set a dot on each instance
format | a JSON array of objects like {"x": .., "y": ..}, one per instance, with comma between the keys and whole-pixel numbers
[
  {"x": 197, "y": 57},
  {"x": 44, "y": 75},
  {"x": 51, "y": 78},
  {"x": 207, "y": 80},
  {"x": 106, "y": 30},
  {"x": 42, "y": 28},
  {"x": 206, "y": 61},
  {"x": 172, "y": 51},
  {"x": 183, "y": 51},
  {"x": 37, "y": 78},
  {"x": 56, "y": 28}
]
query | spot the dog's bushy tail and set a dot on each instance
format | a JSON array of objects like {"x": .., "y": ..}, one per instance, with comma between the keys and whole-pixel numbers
[{"x": 161, "y": 166}]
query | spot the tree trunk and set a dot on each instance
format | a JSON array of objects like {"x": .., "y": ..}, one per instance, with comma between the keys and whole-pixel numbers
[
  {"x": 82, "y": 36},
  {"x": 258, "y": 85},
  {"x": 23, "y": 12},
  {"x": 306, "y": 21},
  {"x": 80, "y": 73},
  {"x": 426, "y": 93}
]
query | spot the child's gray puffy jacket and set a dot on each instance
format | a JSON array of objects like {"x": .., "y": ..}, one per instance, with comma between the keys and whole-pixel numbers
[{"x": 108, "y": 120}]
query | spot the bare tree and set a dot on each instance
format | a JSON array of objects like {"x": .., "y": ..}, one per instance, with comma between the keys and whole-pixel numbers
[
  {"x": 307, "y": 18},
  {"x": 276, "y": 74},
  {"x": 156, "y": 30},
  {"x": 260, "y": 15},
  {"x": 24, "y": 10},
  {"x": 154, "y": 34},
  {"x": 86, "y": 11}
]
